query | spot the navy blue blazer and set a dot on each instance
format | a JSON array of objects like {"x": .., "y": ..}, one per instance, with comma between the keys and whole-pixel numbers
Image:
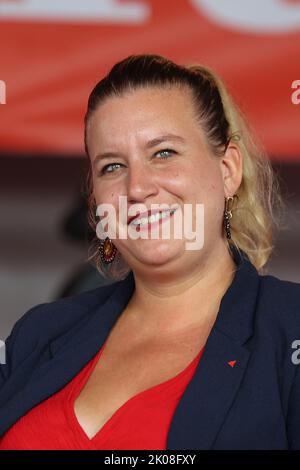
[{"x": 253, "y": 403}]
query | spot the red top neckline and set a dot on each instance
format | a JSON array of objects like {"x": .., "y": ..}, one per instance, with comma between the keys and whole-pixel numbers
[{"x": 109, "y": 425}]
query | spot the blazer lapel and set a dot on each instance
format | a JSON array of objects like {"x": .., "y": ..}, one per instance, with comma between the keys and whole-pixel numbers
[
  {"x": 209, "y": 395},
  {"x": 69, "y": 353}
]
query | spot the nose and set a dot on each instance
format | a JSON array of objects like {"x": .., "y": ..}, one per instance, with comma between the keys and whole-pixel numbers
[{"x": 140, "y": 184}]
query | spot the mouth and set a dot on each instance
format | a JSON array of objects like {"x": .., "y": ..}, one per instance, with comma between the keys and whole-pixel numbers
[{"x": 150, "y": 217}]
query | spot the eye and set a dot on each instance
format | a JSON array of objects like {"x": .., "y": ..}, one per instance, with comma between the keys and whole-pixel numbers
[
  {"x": 164, "y": 151},
  {"x": 110, "y": 168}
]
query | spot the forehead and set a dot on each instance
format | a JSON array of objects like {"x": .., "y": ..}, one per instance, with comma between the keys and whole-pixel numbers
[{"x": 142, "y": 109}]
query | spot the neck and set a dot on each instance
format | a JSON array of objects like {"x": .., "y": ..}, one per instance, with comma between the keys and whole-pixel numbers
[{"x": 185, "y": 302}]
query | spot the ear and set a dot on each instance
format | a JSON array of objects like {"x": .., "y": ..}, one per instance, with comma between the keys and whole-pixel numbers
[{"x": 232, "y": 169}]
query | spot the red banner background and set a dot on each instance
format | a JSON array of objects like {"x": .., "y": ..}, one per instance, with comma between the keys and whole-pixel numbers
[{"x": 50, "y": 63}]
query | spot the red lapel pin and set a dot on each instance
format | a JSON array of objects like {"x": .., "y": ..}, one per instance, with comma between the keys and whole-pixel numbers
[{"x": 231, "y": 363}]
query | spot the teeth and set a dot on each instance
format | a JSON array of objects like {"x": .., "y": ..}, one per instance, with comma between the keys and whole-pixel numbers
[{"x": 152, "y": 218}]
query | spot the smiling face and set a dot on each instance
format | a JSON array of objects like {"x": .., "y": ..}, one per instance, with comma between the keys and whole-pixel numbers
[{"x": 160, "y": 156}]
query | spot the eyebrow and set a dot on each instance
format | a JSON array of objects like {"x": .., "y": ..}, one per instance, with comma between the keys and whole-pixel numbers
[{"x": 151, "y": 143}]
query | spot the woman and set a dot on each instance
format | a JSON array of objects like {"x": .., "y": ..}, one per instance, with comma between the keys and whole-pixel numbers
[{"x": 190, "y": 348}]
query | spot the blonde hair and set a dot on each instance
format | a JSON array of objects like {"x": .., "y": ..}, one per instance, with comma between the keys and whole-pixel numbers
[{"x": 254, "y": 216}]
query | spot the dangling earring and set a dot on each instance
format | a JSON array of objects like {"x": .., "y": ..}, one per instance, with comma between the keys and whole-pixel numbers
[
  {"x": 229, "y": 201},
  {"x": 107, "y": 250}
]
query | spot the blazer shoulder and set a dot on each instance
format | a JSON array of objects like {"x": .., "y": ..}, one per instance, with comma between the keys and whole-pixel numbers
[
  {"x": 46, "y": 321},
  {"x": 60, "y": 313},
  {"x": 280, "y": 289},
  {"x": 279, "y": 300}
]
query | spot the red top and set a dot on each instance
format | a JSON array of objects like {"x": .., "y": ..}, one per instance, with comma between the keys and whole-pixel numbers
[{"x": 142, "y": 422}]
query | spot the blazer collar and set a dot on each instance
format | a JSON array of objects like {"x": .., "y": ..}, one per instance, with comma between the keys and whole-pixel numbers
[
  {"x": 234, "y": 318},
  {"x": 101, "y": 320},
  {"x": 208, "y": 395}
]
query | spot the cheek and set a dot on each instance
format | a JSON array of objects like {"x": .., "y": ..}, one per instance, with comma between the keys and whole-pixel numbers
[
  {"x": 214, "y": 209},
  {"x": 106, "y": 193},
  {"x": 205, "y": 186},
  {"x": 176, "y": 181},
  {"x": 103, "y": 196},
  {"x": 191, "y": 186}
]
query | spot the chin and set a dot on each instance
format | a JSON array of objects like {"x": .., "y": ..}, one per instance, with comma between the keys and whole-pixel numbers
[{"x": 158, "y": 252}]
